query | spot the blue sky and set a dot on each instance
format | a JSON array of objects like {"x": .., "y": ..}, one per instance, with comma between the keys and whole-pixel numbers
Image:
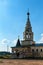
[{"x": 13, "y": 17}]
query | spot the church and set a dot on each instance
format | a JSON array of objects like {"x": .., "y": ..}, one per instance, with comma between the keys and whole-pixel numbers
[{"x": 27, "y": 47}]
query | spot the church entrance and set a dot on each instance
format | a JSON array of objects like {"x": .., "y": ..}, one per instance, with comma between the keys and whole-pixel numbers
[{"x": 17, "y": 54}]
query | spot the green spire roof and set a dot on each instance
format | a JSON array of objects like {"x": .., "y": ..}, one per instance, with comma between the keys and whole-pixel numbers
[{"x": 18, "y": 43}]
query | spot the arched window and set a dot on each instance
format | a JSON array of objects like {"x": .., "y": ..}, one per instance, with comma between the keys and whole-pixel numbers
[
  {"x": 41, "y": 50},
  {"x": 37, "y": 50},
  {"x": 32, "y": 50}
]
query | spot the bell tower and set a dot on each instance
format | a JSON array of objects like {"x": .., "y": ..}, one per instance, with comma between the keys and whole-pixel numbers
[{"x": 27, "y": 34}]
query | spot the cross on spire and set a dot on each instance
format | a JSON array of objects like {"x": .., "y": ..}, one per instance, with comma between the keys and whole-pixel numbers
[{"x": 28, "y": 15}]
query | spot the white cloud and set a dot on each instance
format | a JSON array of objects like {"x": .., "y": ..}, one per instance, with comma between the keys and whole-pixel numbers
[
  {"x": 5, "y": 41},
  {"x": 42, "y": 34},
  {"x": 3, "y": 45},
  {"x": 41, "y": 39},
  {"x": 14, "y": 42}
]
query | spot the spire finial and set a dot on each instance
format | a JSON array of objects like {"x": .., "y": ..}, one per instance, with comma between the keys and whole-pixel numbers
[
  {"x": 28, "y": 15},
  {"x": 28, "y": 12}
]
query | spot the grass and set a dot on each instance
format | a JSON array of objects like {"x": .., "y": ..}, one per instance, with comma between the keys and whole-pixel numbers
[{"x": 1, "y": 61}]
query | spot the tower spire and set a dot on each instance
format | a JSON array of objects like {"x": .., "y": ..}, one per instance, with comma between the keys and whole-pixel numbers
[{"x": 28, "y": 24}]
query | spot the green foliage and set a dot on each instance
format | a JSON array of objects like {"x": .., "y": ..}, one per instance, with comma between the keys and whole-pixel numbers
[{"x": 5, "y": 56}]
